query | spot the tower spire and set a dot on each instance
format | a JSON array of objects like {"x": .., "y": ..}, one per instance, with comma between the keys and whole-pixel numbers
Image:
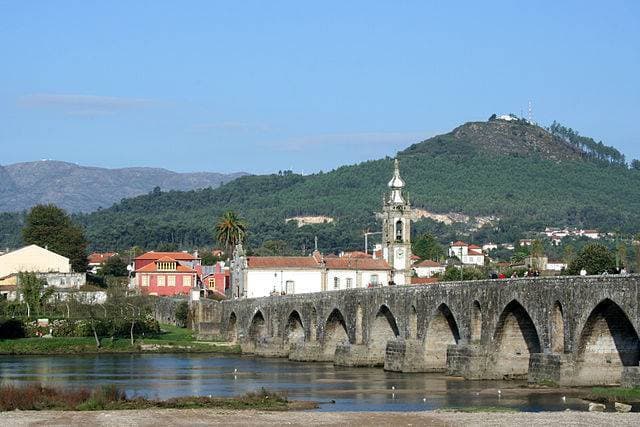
[{"x": 396, "y": 185}]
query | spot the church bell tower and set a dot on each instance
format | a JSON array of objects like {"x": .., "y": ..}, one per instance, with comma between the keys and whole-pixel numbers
[{"x": 396, "y": 229}]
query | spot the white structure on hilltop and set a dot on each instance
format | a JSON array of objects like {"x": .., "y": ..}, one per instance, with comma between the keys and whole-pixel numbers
[
  {"x": 466, "y": 253},
  {"x": 396, "y": 229}
]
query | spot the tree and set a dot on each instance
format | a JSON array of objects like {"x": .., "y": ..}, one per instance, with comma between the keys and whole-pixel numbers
[
  {"x": 34, "y": 291},
  {"x": 595, "y": 258},
  {"x": 114, "y": 266},
  {"x": 452, "y": 274},
  {"x": 427, "y": 247},
  {"x": 230, "y": 230},
  {"x": 635, "y": 164},
  {"x": 49, "y": 226}
]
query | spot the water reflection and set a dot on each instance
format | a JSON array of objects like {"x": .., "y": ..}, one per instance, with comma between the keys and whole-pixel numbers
[{"x": 353, "y": 389}]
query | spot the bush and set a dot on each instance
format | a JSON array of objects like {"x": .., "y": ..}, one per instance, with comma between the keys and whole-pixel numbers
[
  {"x": 12, "y": 329},
  {"x": 182, "y": 314}
]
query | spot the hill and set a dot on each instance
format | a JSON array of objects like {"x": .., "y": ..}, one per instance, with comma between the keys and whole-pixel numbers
[
  {"x": 523, "y": 176},
  {"x": 85, "y": 189}
]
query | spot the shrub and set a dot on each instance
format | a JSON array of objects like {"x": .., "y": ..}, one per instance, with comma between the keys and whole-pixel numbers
[
  {"x": 182, "y": 314},
  {"x": 11, "y": 329}
]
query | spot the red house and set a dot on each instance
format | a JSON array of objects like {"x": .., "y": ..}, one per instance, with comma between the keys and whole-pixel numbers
[
  {"x": 218, "y": 280},
  {"x": 166, "y": 275}
]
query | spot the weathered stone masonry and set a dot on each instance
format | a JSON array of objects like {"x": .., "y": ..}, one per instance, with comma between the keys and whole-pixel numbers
[{"x": 569, "y": 330}]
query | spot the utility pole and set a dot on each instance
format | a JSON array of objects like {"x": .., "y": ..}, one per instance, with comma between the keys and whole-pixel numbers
[{"x": 366, "y": 239}]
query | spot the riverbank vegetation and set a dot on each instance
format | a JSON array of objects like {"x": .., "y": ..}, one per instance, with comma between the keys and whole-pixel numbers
[
  {"x": 36, "y": 397},
  {"x": 614, "y": 394}
]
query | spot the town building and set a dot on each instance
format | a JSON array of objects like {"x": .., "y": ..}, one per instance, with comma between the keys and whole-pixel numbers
[
  {"x": 556, "y": 265},
  {"x": 96, "y": 259},
  {"x": 256, "y": 276},
  {"x": 215, "y": 278},
  {"x": 47, "y": 265},
  {"x": 428, "y": 268},
  {"x": 466, "y": 253},
  {"x": 164, "y": 275}
]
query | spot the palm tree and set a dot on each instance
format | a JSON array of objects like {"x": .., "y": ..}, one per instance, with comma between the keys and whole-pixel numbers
[{"x": 230, "y": 230}]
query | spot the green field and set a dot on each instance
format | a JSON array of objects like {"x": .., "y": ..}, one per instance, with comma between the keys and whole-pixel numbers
[{"x": 171, "y": 340}]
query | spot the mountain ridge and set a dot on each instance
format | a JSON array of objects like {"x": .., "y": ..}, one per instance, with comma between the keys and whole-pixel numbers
[{"x": 78, "y": 188}]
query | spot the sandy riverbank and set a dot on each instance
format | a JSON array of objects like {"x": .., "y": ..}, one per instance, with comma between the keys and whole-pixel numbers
[{"x": 190, "y": 417}]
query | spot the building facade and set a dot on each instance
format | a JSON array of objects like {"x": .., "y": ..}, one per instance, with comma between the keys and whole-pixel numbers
[{"x": 165, "y": 276}]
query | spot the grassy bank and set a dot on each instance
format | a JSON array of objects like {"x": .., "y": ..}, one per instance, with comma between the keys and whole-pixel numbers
[
  {"x": 171, "y": 340},
  {"x": 37, "y": 397},
  {"x": 614, "y": 394}
]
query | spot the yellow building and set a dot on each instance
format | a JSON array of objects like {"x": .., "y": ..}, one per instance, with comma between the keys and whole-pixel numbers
[{"x": 33, "y": 258}]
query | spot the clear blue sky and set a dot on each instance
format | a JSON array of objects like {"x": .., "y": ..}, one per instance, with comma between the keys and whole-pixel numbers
[{"x": 262, "y": 86}]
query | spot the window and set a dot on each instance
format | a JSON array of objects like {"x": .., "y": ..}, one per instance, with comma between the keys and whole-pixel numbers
[
  {"x": 166, "y": 266},
  {"x": 145, "y": 280},
  {"x": 336, "y": 282},
  {"x": 374, "y": 279},
  {"x": 212, "y": 283},
  {"x": 349, "y": 282},
  {"x": 399, "y": 231},
  {"x": 160, "y": 280},
  {"x": 171, "y": 280},
  {"x": 290, "y": 287},
  {"x": 186, "y": 281}
]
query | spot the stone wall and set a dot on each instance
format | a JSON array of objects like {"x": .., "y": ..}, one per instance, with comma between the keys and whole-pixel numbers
[{"x": 510, "y": 328}]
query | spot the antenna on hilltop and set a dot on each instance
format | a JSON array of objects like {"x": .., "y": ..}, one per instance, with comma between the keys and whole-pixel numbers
[{"x": 530, "y": 113}]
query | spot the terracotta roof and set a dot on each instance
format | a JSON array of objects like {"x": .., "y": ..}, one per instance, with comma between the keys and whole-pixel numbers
[
  {"x": 150, "y": 268},
  {"x": 99, "y": 258},
  {"x": 423, "y": 280},
  {"x": 428, "y": 263},
  {"x": 165, "y": 259},
  {"x": 182, "y": 256},
  {"x": 358, "y": 263},
  {"x": 474, "y": 247},
  {"x": 282, "y": 262},
  {"x": 356, "y": 254},
  {"x": 414, "y": 257},
  {"x": 475, "y": 252},
  {"x": 459, "y": 243}
]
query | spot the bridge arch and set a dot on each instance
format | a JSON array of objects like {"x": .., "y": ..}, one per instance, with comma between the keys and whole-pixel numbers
[
  {"x": 608, "y": 342},
  {"x": 232, "y": 328},
  {"x": 294, "y": 328},
  {"x": 557, "y": 329},
  {"x": 515, "y": 339},
  {"x": 442, "y": 331},
  {"x": 475, "y": 328},
  {"x": 257, "y": 327},
  {"x": 335, "y": 333},
  {"x": 383, "y": 328}
]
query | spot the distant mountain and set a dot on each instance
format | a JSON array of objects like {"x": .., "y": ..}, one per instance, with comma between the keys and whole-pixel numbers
[
  {"x": 518, "y": 175},
  {"x": 85, "y": 189}
]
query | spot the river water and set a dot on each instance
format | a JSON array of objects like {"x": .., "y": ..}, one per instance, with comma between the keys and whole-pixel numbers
[{"x": 352, "y": 389}]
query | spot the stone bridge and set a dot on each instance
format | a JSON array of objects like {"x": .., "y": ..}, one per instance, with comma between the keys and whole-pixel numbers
[{"x": 566, "y": 330}]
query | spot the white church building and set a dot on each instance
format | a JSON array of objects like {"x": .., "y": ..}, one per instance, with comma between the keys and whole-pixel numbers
[{"x": 255, "y": 276}]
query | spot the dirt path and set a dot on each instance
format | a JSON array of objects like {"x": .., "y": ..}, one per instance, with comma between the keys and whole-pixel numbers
[{"x": 190, "y": 417}]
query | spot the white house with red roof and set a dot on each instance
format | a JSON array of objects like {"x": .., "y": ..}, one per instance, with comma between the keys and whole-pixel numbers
[
  {"x": 428, "y": 268},
  {"x": 96, "y": 259},
  {"x": 466, "y": 253},
  {"x": 256, "y": 276}
]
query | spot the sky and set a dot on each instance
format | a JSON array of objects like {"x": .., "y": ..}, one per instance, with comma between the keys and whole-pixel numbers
[{"x": 267, "y": 86}]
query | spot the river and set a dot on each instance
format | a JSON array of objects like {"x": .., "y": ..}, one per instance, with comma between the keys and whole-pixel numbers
[{"x": 352, "y": 389}]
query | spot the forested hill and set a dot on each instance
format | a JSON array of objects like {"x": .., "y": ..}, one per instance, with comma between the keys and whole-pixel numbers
[
  {"x": 525, "y": 175},
  {"x": 85, "y": 189}
]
